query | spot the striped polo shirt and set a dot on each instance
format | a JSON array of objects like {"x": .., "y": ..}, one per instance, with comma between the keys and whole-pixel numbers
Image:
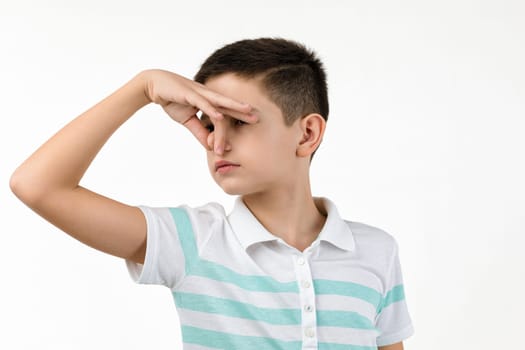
[{"x": 237, "y": 286}]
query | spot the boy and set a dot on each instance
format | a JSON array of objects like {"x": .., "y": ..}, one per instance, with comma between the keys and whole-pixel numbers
[{"x": 283, "y": 270}]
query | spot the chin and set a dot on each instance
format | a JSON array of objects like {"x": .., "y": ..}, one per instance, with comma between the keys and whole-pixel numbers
[
  {"x": 235, "y": 189},
  {"x": 232, "y": 191}
]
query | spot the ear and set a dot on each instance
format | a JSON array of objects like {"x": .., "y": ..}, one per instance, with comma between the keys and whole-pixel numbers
[{"x": 312, "y": 129}]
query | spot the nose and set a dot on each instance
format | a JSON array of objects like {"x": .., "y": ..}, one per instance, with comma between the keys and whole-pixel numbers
[{"x": 218, "y": 141}]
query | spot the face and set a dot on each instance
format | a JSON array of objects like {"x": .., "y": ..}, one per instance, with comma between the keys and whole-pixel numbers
[{"x": 261, "y": 156}]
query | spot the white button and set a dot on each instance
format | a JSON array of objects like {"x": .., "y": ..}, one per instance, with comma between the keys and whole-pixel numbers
[
  {"x": 301, "y": 261},
  {"x": 305, "y": 284},
  {"x": 308, "y": 308},
  {"x": 309, "y": 332}
]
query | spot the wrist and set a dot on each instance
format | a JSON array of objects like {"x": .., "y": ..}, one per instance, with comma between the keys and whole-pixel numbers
[{"x": 143, "y": 81}]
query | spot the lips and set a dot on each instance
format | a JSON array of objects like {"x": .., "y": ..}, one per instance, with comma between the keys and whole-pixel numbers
[{"x": 223, "y": 166}]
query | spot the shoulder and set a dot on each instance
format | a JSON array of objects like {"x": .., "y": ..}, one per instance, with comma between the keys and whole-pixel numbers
[
  {"x": 373, "y": 242},
  {"x": 191, "y": 224},
  {"x": 195, "y": 219},
  {"x": 206, "y": 212},
  {"x": 211, "y": 210},
  {"x": 370, "y": 241},
  {"x": 369, "y": 234}
]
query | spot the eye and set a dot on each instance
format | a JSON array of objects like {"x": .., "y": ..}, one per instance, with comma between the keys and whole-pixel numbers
[
  {"x": 209, "y": 127},
  {"x": 238, "y": 122}
]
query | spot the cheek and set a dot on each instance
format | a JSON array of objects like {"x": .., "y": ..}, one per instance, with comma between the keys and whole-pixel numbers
[
  {"x": 209, "y": 160},
  {"x": 282, "y": 146},
  {"x": 276, "y": 155}
]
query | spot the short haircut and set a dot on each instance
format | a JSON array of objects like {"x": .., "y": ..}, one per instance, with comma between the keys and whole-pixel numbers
[{"x": 292, "y": 75}]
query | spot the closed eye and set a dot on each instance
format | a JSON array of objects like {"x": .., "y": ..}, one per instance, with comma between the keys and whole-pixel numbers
[
  {"x": 238, "y": 122},
  {"x": 206, "y": 122},
  {"x": 210, "y": 127}
]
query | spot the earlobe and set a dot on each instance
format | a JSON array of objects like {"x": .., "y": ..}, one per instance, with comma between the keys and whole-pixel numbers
[{"x": 312, "y": 128}]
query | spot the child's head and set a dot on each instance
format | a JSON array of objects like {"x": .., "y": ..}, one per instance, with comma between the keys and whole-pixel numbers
[
  {"x": 291, "y": 75},
  {"x": 286, "y": 85}
]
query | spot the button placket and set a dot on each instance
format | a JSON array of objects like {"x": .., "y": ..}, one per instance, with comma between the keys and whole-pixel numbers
[{"x": 307, "y": 300}]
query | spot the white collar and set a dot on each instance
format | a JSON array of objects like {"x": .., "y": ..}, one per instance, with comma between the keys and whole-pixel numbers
[{"x": 250, "y": 231}]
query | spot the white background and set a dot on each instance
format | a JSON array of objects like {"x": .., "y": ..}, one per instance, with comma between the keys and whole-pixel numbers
[{"x": 425, "y": 140}]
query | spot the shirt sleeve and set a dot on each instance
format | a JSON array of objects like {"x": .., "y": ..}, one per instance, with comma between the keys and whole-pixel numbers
[
  {"x": 174, "y": 239},
  {"x": 393, "y": 321}
]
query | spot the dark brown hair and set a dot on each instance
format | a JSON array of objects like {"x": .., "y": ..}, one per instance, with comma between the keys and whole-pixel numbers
[{"x": 292, "y": 75}]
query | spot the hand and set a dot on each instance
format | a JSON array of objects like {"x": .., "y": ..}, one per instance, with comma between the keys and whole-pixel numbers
[{"x": 182, "y": 98}]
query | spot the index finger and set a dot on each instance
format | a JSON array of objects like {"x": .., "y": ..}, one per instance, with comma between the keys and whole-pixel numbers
[
  {"x": 226, "y": 102},
  {"x": 249, "y": 118}
]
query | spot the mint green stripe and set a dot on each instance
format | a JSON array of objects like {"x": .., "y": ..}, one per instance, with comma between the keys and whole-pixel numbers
[
  {"x": 349, "y": 289},
  {"x": 186, "y": 236},
  {"x": 220, "y": 340},
  {"x": 337, "y": 346},
  {"x": 278, "y": 316},
  {"x": 204, "y": 268},
  {"x": 395, "y": 294},
  {"x": 221, "y": 273},
  {"x": 227, "y": 307},
  {"x": 347, "y": 319}
]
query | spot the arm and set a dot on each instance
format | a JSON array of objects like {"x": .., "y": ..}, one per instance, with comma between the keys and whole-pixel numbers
[
  {"x": 48, "y": 181},
  {"x": 396, "y": 346}
]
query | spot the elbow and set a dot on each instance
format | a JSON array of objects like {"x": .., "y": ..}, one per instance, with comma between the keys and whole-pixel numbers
[
  {"x": 23, "y": 189},
  {"x": 17, "y": 185}
]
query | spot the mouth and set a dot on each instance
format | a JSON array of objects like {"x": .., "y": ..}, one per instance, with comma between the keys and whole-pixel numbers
[{"x": 224, "y": 166}]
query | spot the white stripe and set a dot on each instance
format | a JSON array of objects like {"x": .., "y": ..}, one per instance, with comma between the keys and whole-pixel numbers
[
  {"x": 352, "y": 274},
  {"x": 233, "y": 325},
  {"x": 245, "y": 327},
  {"x": 363, "y": 337},
  {"x": 344, "y": 303},
  {"x": 200, "y": 285},
  {"x": 203, "y": 285}
]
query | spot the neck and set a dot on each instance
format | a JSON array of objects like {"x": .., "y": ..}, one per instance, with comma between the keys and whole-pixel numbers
[{"x": 289, "y": 213}]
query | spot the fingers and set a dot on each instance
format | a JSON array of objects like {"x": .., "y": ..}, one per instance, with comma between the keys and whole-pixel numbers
[
  {"x": 204, "y": 105},
  {"x": 216, "y": 108},
  {"x": 219, "y": 134},
  {"x": 194, "y": 125},
  {"x": 226, "y": 105},
  {"x": 183, "y": 100},
  {"x": 215, "y": 141},
  {"x": 249, "y": 118}
]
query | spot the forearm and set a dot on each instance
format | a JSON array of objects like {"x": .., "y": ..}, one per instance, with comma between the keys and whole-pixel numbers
[
  {"x": 48, "y": 181},
  {"x": 61, "y": 162}
]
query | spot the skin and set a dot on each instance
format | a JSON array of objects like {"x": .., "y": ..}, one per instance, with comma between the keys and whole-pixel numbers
[
  {"x": 274, "y": 159},
  {"x": 48, "y": 181},
  {"x": 272, "y": 174},
  {"x": 396, "y": 346}
]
